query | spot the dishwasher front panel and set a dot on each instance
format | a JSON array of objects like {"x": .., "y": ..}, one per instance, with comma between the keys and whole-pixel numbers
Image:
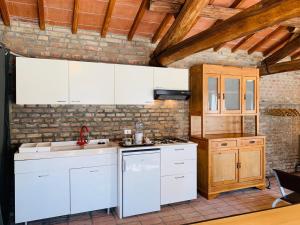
[{"x": 141, "y": 183}]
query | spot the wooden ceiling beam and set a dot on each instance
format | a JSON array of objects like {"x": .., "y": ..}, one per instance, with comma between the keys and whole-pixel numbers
[
  {"x": 257, "y": 17},
  {"x": 235, "y": 4},
  {"x": 241, "y": 42},
  {"x": 4, "y": 13},
  {"x": 183, "y": 23},
  {"x": 137, "y": 19},
  {"x": 162, "y": 27},
  {"x": 295, "y": 55},
  {"x": 41, "y": 13},
  {"x": 289, "y": 66},
  {"x": 278, "y": 44},
  {"x": 283, "y": 52},
  {"x": 107, "y": 19},
  {"x": 266, "y": 39},
  {"x": 75, "y": 16},
  {"x": 166, "y": 6}
]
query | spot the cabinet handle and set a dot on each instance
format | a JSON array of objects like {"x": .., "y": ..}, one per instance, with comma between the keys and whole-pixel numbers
[
  {"x": 252, "y": 142},
  {"x": 179, "y": 149},
  {"x": 124, "y": 165},
  {"x": 179, "y": 163},
  {"x": 94, "y": 171},
  {"x": 61, "y": 101},
  {"x": 224, "y": 144},
  {"x": 238, "y": 165},
  {"x": 179, "y": 177},
  {"x": 223, "y": 96},
  {"x": 245, "y": 97},
  {"x": 41, "y": 176},
  {"x": 219, "y": 96},
  {"x": 76, "y": 101}
]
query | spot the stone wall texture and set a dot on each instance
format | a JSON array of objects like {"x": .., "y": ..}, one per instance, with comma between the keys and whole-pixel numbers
[{"x": 33, "y": 123}]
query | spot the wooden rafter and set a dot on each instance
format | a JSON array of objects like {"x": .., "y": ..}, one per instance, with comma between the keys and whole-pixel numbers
[
  {"x": 162, "y": 27},
  {"x": 107, "y": 19},
  {"x": 137, "y": 19},
  {"x": 75, "y": 16},
  {"x": 166, "y": 6},
  {"x": 182, "y": 25},
  {"x": 280, "y": 67},
  {"x": 235, "y": 4},
  {"x": 241, "y": 42},
  {"x": 266, "y": 39},
  {"x": 41, "y": 13},
  {"x": 295, "y": 55},
  {"x": 283, "y": 52},
  {"x": 278, "y": 44},
  {"x": 260, "y": 16},
  {"x": 4, "y": 13}
]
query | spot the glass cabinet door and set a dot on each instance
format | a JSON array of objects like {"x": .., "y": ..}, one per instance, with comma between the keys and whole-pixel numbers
[
  {"x": 213, "y": 93},
  {"x": 249, "y": 95},
  {"x": 231, "y": 89}
]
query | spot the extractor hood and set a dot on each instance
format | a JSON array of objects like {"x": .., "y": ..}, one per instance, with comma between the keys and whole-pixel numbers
[{"x": 171, "y": 94}]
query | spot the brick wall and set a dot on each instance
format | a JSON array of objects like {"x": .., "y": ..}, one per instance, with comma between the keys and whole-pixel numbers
[{"x": 53, "y": 123}]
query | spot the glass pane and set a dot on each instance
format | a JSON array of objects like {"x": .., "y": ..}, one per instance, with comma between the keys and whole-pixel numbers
[
  {"x": 212, "y": 94},
  {"x": 232, "y": 94},
  {"x": 250, "y": 95}
]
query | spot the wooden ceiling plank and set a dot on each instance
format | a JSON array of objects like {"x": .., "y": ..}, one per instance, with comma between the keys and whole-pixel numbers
[
  {"x": 278, "y": 44},
  {"x": 266, "y": 39},
  {"x": 107, "y": 19},
  {"x": 137, "y": 19},
  {"x": 235, "y": 4},
  {"x": 283, "y": 52},
  {"x": 41, "y": 13},
  {"x": 241, "y": 42},
  {"x": 255, "y": 18},
  {"x": 75, "y": 16},
  {"x": 4, "y": 12},
  {"x": 289, "y": 66},
  {"x": 183, "y": 23},
  {"x": 162, "y": 27}
]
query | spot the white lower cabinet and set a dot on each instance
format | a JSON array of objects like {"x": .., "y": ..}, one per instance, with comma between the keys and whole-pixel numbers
[
  {"x": 41, "y": 195},
  {"x": 178, "y": 173},
  {"x": 93, "y": 188}
]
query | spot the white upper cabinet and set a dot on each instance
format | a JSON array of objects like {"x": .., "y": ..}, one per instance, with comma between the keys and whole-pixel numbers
[
  {"x": 133, "y": 85},
  {"x": 41, "y": 81},
  {"x": 91, "y": 83},
  {"x": 171, "y": 79}
]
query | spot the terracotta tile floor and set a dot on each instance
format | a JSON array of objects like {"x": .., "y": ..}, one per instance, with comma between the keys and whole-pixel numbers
[{"x": 226, "y": 204}]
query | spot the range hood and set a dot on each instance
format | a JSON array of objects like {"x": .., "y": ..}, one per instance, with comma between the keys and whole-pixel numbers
[{"x": 171, "y": 94}]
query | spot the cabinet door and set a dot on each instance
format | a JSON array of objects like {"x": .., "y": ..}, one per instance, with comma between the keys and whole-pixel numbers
[
  {"x": 133, "y": 85},
  {"x": 211, "y": 92},
  {"x": 249, "y": 95},
  {"x": 178, "y": 188},
  {"x": 41, "y": 81},
  {"x": 91, "y": 83},
  {"x": 41, "y": 195},
  {"x": 224, "y": 167},
  {"x": 231, "y": 91},
  {"x": 171, "y": 79},
  {"x": 93, "y": 188},
  {"x": 251, "y": 163}
]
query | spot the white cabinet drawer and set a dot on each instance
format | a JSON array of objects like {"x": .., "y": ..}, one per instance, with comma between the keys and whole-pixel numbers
[
  {"x": 28, "y": 166},
  {"x": 41, "y": 195},
  {"x": 178, "y": 188},
  {"x": 172, "y": 167},
  {"x": 93, "y": 188},
  {"x": 179, "y": 152}
]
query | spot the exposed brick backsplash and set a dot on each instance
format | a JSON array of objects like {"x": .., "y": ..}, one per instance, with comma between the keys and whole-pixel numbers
[{"x": 55, "y": 123}]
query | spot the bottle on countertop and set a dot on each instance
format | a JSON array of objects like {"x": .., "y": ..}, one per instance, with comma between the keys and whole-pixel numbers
[{"x": 139, "y": 133}]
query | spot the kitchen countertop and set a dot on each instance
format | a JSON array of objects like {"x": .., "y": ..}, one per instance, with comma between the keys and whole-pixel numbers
[{"x": 60, "y": 152}]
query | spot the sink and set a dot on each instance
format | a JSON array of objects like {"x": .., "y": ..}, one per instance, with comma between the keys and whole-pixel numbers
[{"x": 72, "y": 145}]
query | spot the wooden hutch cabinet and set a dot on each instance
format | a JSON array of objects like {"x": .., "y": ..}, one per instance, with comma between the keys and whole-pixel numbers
[{"x": 228, "y": 157}]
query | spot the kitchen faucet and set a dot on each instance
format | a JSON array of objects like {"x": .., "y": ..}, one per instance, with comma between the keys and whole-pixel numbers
[{"x": 84, "y": 136}]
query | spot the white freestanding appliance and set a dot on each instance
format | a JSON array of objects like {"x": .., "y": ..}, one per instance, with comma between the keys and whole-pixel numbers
[{"x": 141, "y": 181}]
